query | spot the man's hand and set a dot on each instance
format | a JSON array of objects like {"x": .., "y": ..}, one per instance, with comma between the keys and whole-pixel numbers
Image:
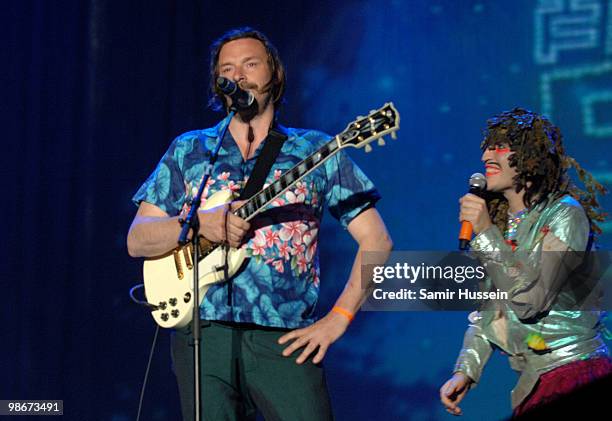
[
  {"x": 318, "y": 335},
  {"x": 454, "y": 391},
  {"x": 474, "y": 209},
  {"x": 212, "y": 224}
]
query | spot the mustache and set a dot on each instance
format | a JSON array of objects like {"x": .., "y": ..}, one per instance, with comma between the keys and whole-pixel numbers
[
  {"x": 247, "y": 85},
  {"x": 491, "y": 163},
  {"x": 255, "y": 87}
]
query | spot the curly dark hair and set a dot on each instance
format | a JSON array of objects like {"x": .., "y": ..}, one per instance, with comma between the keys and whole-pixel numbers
[
  {"x": 541, "y": 163},
  {"x": 277, "y": 84}
]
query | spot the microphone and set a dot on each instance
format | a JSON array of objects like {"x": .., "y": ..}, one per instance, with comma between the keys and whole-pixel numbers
[
  {"x": 241, "y": 100},
  {"x": 478, "y": 184}
]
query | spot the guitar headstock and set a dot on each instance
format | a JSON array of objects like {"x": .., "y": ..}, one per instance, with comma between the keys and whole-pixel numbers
[{"x": 375, "y": 125}]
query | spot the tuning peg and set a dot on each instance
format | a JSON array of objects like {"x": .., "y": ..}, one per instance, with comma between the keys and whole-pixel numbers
[
  {"x": 393, "y": 135},
  {"x": 368, "y": 148},
  {"x": 381, "y": 141}
]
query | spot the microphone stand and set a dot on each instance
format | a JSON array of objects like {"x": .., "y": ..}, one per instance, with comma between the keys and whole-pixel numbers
[{"x": 192, "y": 223}]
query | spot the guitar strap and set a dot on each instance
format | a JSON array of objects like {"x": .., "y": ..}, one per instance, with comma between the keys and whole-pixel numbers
[{"x": 272, "y": 146}]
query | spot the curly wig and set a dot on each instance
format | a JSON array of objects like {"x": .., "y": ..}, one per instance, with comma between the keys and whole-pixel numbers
[{"x": 541, "y": 164}]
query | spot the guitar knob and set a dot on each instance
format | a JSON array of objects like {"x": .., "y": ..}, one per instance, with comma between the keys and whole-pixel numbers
[
  {"x": 175, "y": 313},
  {"x": 393, "y": 135},
  {"x": 172, "y": 302},
  {"x": 165, "y": 317},
  {"x": 368, "y": 148},
  {"x": 162, "y": 305},
  {"x": 381, "y": 141}
]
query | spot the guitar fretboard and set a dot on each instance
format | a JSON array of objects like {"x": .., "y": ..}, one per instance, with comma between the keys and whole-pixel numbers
[{"x": 267, "y": 195}]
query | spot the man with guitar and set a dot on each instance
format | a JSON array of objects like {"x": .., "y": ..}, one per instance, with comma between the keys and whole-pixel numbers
[{"x": 261, "y": 347}]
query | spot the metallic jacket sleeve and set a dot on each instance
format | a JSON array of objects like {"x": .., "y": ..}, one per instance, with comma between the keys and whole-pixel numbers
[
  {"x": 475, "y": 352},
  {"x": 534, "y": 278}
]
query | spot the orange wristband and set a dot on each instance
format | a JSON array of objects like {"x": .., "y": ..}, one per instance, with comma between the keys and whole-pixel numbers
[{"x": 350, "y": 316}]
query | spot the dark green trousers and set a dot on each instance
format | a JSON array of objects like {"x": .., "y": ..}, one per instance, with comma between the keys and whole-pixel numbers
[{"x": 243, "y": 371}]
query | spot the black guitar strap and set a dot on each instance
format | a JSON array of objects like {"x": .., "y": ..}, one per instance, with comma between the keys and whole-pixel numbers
[{"x": 272, "y": 146}]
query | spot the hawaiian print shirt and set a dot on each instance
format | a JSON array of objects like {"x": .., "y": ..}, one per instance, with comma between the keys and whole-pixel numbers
[{"x": 279, "y": 286}]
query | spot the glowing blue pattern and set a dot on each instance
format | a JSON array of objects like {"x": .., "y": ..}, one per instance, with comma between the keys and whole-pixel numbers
[{"x": 565, "y": 25}]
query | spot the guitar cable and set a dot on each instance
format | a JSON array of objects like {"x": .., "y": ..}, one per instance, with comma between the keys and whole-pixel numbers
[
  {"x": 146, "y": 376},
  {"x": 152, "y": 307}
]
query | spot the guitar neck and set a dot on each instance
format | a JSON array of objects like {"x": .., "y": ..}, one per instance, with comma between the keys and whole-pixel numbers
[{"x": 265, "y": 196}]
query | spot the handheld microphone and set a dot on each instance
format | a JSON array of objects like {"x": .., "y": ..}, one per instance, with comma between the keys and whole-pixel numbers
[
  {"x": 478, "y": 184},
  {"x": 241, "y": 100}
]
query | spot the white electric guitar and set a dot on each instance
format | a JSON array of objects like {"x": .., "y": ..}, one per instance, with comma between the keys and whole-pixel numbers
[{"x": 168, "y": 279}]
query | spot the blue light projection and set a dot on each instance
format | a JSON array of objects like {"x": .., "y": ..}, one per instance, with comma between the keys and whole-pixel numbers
[
  {"x": 565, "y": 25},
  {"x": 572, "y": 44}
]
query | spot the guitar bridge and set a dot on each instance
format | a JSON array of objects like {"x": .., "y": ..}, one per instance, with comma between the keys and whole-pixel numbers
[
  {"x": 177, "y": 264},
  {"x": 187, "y": 254}
]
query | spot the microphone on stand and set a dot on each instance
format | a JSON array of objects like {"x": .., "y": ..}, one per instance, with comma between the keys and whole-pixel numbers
[
  {"x": 242, "y": 100},
  {"x": 478, "y": 184}
]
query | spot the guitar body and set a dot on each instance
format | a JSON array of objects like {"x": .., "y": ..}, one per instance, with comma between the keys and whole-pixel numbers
[{"x": 168, "y": 279}]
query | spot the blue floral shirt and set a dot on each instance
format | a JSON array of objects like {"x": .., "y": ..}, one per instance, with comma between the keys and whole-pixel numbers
[{"x": 279, "y": 286}]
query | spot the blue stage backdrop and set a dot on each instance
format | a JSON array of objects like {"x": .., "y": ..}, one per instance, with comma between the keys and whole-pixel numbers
[{"x": 94, "y": 91}]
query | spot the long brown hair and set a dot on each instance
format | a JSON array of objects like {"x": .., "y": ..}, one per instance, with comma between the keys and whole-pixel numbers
[{"x": 277, "y": 84}]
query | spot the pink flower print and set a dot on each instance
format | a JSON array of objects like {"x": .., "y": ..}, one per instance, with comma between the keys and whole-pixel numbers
[
  {"x": 258, "y": 245},
  {"x": 298, "y": 249},
  {"x": 311, "y": 250},
  {"x": 231, "y": 186},
  {"x": 277, "y": 174},
  {"x": 307, "y": 238},
  {"x": 293, "y": 198},
  {"x": 300, "y": 189},
  {"x": 315, "y": 277},
  {"x": 302, "y": 264},
  {"x": 272, "y": 238},
  {"x": 310, "y": 242},
  {"x": 284, "y": 251},
  {"x": 279, "y": 266},
  {"x": 209, "y": 183},
  {"x": 292, "y": 231},
  {"x": 279, "y": 201},
  {"x": 223, "y": 176}
]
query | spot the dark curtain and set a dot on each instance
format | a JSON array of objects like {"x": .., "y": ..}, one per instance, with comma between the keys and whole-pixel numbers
[{"x": 92, "y": 93}]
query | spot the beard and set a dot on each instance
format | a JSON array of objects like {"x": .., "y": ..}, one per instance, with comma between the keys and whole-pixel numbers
[
  {"x": 261, "y": 91},
  {"x": 249, "y": 113}
]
